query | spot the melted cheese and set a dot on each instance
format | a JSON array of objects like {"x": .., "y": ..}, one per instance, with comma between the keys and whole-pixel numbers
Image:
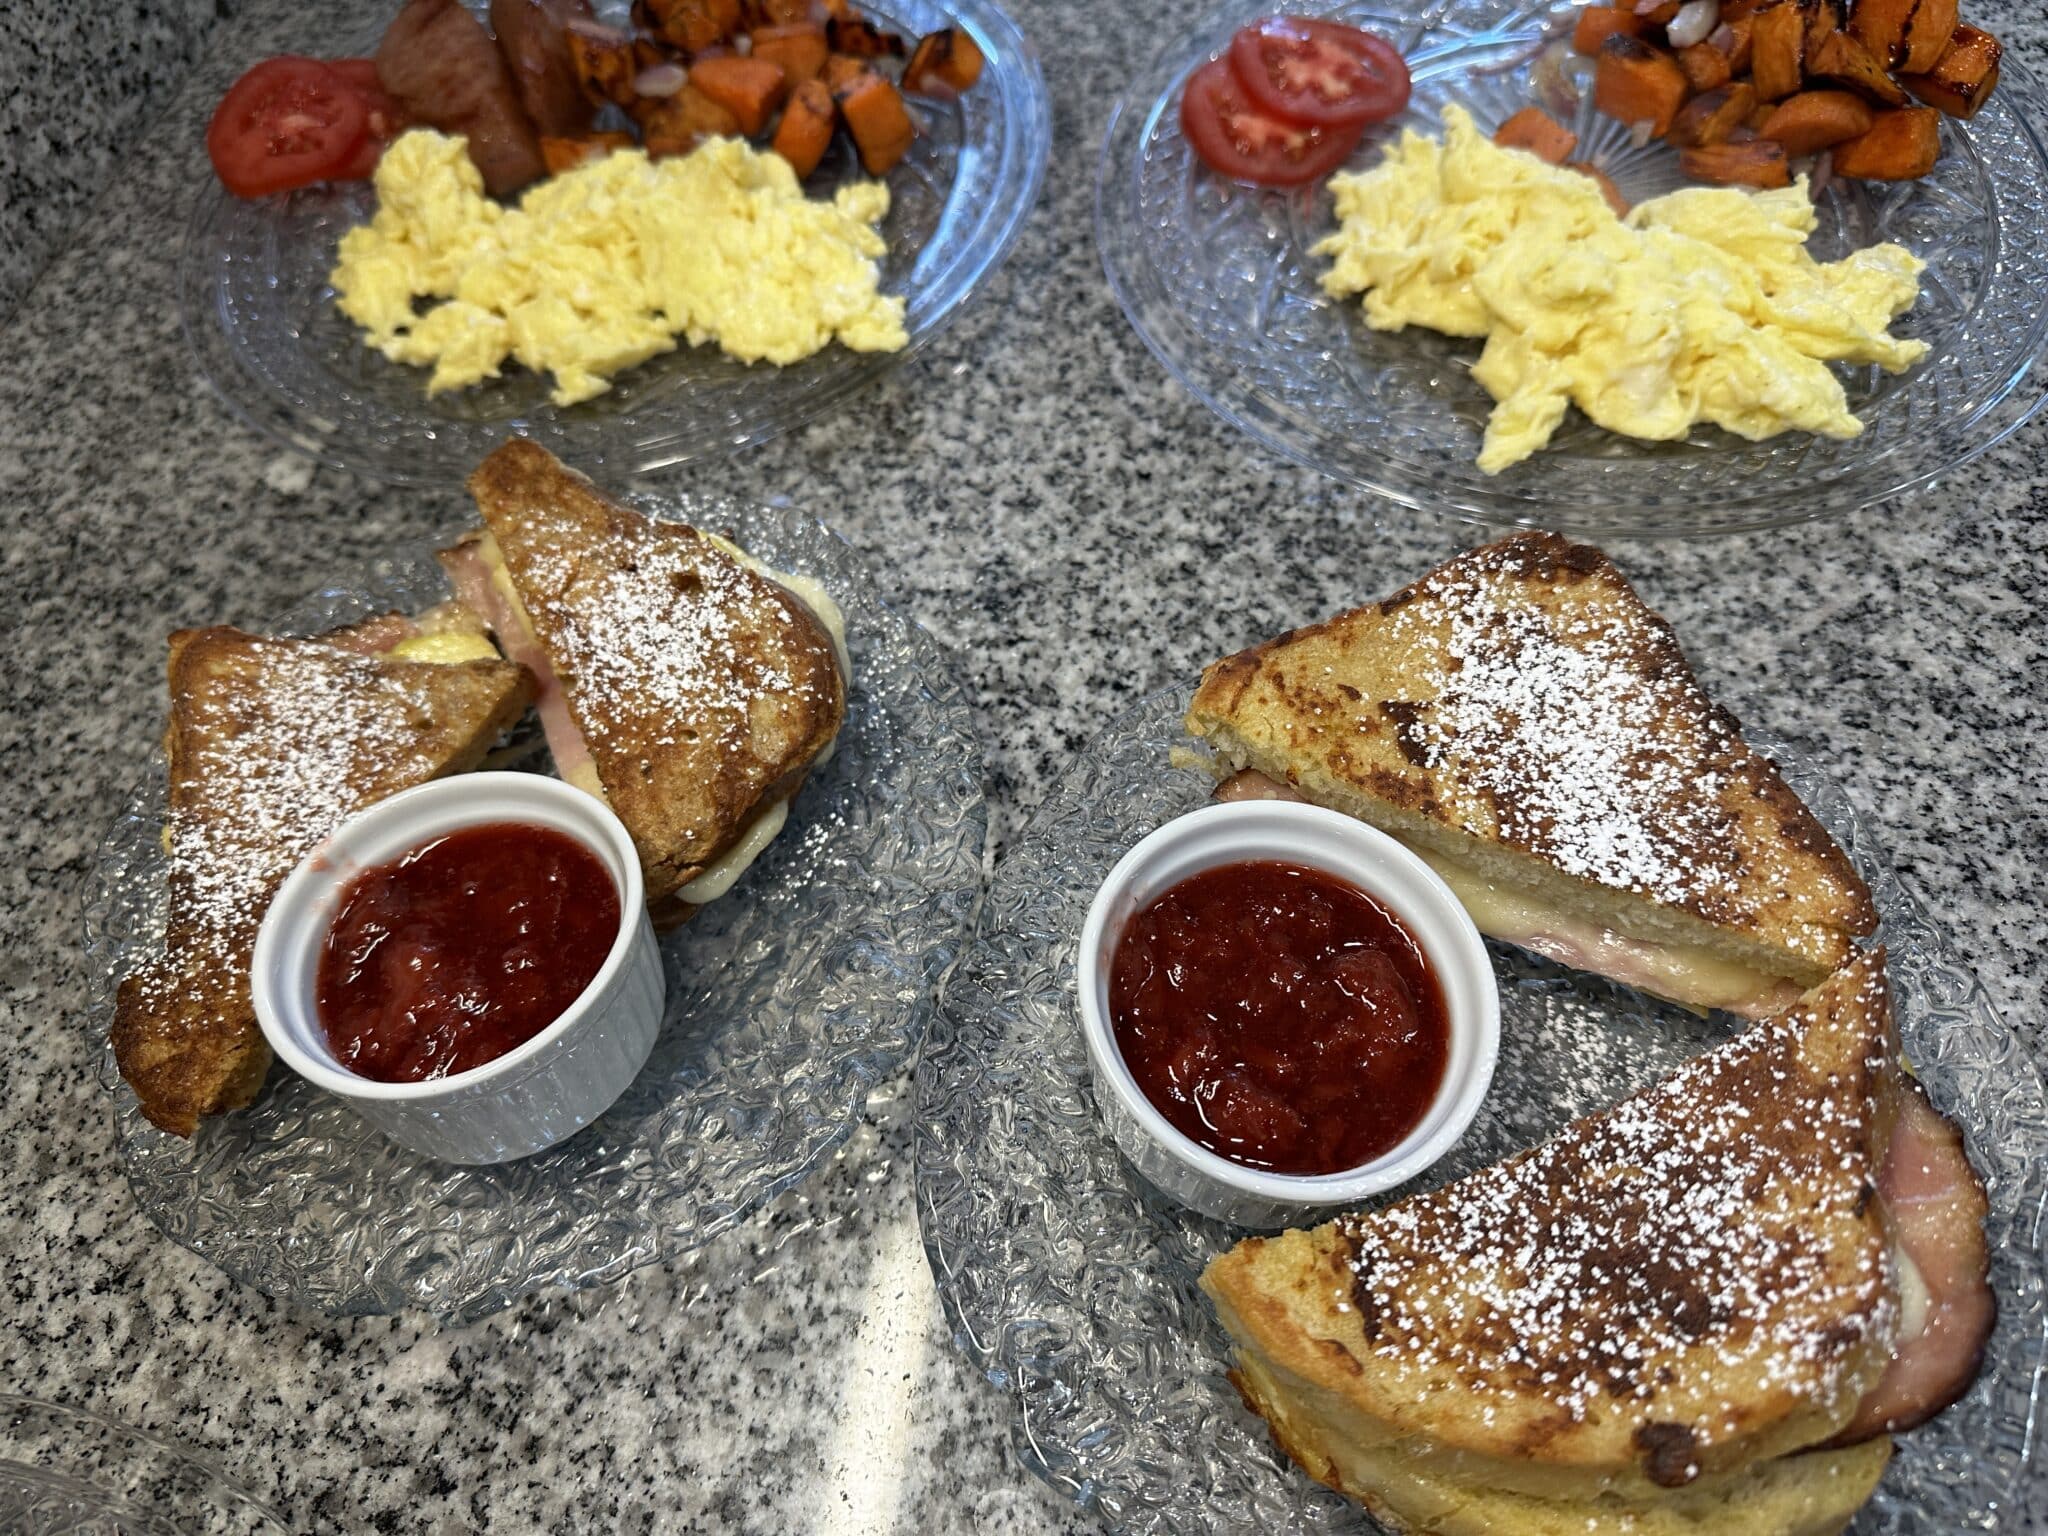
[
  {"x": 446, "y": 647},
  {"x": 720, "y": 875},
  {"x": 1684, "y": 973}
]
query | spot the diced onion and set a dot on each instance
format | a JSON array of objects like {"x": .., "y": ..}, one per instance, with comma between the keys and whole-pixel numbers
[
  {"x": 1695, "y": 19},
  {"x": 1823, "y": 174},
  {"x": 1640, "y": 134},
  {"x": 661, "y": 80},
  {"x": 1723, "y": 38}
]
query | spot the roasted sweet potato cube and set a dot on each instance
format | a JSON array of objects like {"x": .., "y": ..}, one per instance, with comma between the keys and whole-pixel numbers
[
  {"x": 607, "y": 63},
  {"x": 1539, "y": 133},
  {"x": 1706, "y": 67},
  {"x": 1597, "y": 23},
  {"x": 1758, "y": 163},
  {"x": 1733, "y": 11},
  {"x": 1714, "y": 117},
  {"x": 797, "y": 47},
  {"x": 1605, "y": 183},
  {"x": 1777, "y": 60},
  {"x": 945, "y": 62},
  {"x": 564, "y": 154},
  {"x": 1822, "y": 17},
  {"x": 675, "y": 125},
  {"x": 1907, "y": 35},
  {"x": 1739, "y": 36},
  {"x": 1966, "y": 76},
  {"x": 1637, "y": 82},
  {"x": 1815, "y": 120},
  {"x": 1660, "y": 13},
  {"x": 692, "y": 25},
  {"x": 1899, "y": 146},
  {"x": 1847, "y": 62}
]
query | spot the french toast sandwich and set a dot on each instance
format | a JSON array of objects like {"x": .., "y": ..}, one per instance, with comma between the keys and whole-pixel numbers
[
  {"x": 271, "y": 744},
  {"x": 678, "y": 680},
  {"x": 1524, "y": 722},
  {"x": 1686, "y": 1313}
]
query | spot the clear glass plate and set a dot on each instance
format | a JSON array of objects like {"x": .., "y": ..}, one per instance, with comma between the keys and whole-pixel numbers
[
  {"x": 67, "y": 1473},
  {"x": 260, "y": 314},
  {"x": 1071, "y": 1283},
  {"x": 1218, "y": 280},
  {"x": 789, "y": 999}
]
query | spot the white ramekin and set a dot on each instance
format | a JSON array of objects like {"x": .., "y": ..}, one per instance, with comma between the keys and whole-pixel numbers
[
  {"x": 1377, "y": 865},
  {"x": 531, "y": 1097}
]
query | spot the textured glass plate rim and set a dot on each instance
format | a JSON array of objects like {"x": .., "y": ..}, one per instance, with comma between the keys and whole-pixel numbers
[
  {"x": 1849, "y": 491},
  {"x": 140, "y": 1443},
  {"x": 943, "y": 695},
  {"x": 1000, "y": 1356},
  {"x": 1027, "y": 141}
]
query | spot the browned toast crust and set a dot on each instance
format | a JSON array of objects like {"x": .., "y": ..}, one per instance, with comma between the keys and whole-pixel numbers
[
  {"x": 703, "y": 689},
  {"x": 271, "y": 744},
  {"x": 1522, "y": 700},
  {"x": 1682, "y": 1284}
]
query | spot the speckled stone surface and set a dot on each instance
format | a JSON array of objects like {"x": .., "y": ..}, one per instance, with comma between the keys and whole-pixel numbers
[
  {"x": 1079, "y": 531},
  {"x": 82, "y": 84}
]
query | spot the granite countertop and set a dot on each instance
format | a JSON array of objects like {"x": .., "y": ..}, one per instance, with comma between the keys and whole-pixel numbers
[{"x": 1078, "y": 531}]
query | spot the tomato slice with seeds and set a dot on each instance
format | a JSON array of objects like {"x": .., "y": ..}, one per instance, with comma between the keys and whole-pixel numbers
[
  {"x": 1319, "y": 72},
  {"x": 1236, "y": 138},
  {"x": 385, "y": 118},
  {"x": 288, "y": 122}
]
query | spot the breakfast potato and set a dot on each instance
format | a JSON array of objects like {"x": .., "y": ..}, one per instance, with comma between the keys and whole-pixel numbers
[
  {"x": 1901, "y": 145},
  {"x": 879, "y": 122},
  {"x": 1706, "y": 67},
  {"x": 1842, "y": 59},
  {"x": 944, "y": 62},
  {"x": 1812, "y": 121},
  {"x": 1964, "y": 78},
  {"x": 1536, "y": 131},
  {"x": 1597, "y": 23},
  {"x": 1712, "y": 118},
  {"x": 799, "y": 49},
  {"x": 1605, "y": 183},
  {"x": 1777, "y": 62},
  {"x": 1637, "y": 82},
  {"x": 750, "y": 89},
  {"x": 1757, "y": 163},
  {"x": 805, "y": 132}
]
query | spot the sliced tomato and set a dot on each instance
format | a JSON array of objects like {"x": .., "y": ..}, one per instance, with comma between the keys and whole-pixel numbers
[
  {"x": 1319, "y": 72},
  {"x": 289, "y": 122},
  {"x": 385, "y": 121},
  {"x": 1237, "y": 139}
]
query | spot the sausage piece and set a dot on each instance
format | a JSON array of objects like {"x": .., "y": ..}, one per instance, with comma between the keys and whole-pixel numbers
[
  {"x": 530, "y": 36},
  {"x": 441, "y": 64}
]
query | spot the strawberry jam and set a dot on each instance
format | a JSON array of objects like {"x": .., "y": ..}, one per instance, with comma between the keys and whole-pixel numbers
[
  {"x": 462, "y": 949},
  {"x": 1280, "y": 1017}
]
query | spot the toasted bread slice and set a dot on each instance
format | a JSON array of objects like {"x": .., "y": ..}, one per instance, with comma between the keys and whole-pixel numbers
[
  {"x": 701, "y": 690},
  {"x": 1690, "y": 1283},
  {"x": 1523, "y": 721},
  {"x": 272, "y": 743}
]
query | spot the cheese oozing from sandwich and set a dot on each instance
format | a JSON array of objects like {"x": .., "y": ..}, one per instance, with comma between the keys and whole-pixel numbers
[{"x": 486, "y": 585}]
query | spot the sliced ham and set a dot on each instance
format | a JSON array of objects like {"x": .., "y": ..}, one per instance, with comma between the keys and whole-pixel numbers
[
  {"x": 470, "y": 573},
  {"x": 1937, "y": 1208},
  {"x": 1253, "y": 785}
]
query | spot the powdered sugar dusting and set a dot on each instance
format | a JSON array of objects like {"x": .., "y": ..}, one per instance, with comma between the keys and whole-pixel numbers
[
  {"x": 1722, "y": 1209},
  {"x": 286, "y": 739},
  {"x": 1577, "y": 725},
  {"x": 655, "y": 644}
]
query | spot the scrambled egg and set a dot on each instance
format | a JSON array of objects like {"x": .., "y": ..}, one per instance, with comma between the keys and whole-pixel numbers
[
  {"x": 1702, "y": 305},
  {"x": 604, "y": 265}
]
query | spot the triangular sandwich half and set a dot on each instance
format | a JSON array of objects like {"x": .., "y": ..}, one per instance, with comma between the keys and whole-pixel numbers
[
  {"x": 272, "y": 743},
  {"x": 1524, "y": 722},
  {"x": 1646, "y": 1324},
  {"x": 678, "y": 680}
]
